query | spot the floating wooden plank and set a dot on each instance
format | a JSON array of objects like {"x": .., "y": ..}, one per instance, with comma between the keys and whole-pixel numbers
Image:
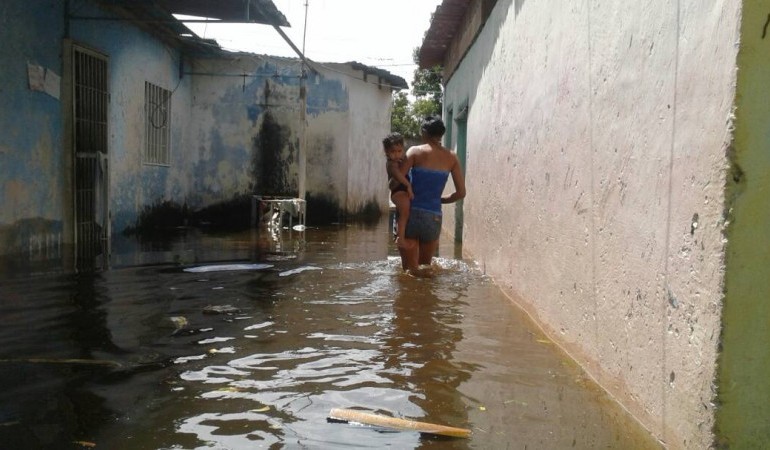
[{"x": 350, "y": 415}]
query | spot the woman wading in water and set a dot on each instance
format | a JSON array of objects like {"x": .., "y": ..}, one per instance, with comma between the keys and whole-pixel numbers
[{"x": 430, "y": 164}]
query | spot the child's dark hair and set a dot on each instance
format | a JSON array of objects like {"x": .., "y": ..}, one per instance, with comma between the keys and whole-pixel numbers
[{"x": 392, "y": 140}]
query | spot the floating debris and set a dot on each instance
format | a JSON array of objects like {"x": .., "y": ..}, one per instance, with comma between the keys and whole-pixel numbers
[
  {"x": 221, "y": 309},
  {"x": 350, "y": 415},
  {"x": 297, "y": 270},
  {"x": 222, "y": 350},
  {"x": 184, "y": 359},
  {"x": 258, "y": 326},
  {"x": 227, "y": 267},
  {"x": 214, "y": 340}
]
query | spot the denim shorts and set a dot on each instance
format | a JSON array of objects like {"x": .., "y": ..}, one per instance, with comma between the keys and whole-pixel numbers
[{"x": 425, "y": 226}]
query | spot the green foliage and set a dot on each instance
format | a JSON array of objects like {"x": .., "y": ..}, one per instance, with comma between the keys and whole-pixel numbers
[
  {"x": 425, "y": 107},
  {"x": 401, "y": 118},
  {"x": 406, "y": 115}
]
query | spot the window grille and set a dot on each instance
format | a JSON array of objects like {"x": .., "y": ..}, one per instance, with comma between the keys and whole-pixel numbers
[{"x": 157, "y": 140}]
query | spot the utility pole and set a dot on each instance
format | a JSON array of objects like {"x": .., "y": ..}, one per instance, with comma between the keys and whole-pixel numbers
[{"x": 303, "y": 118}]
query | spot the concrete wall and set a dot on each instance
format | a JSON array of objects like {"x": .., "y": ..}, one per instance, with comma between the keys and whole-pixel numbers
[
  {"x": 743, "y": 419},
  {"x": 597, "y": 135},
  {"x": 135, "y": 58},
  {"x": 31, "y": 159},
  {"x": 253, "y": 129},
  {"x": 369, "y": 122}
]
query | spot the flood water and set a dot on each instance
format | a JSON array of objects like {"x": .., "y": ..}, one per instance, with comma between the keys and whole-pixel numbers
[{"x": 149, "y": 356}]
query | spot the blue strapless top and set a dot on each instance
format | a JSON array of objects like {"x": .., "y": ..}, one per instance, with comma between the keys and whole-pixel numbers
[{"x": 428, "y": 185}]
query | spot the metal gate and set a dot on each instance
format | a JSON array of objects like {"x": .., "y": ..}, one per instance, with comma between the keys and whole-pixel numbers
[{"x": 90, "y": 99}]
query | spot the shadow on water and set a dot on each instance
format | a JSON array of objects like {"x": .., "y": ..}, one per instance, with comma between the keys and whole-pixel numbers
[{"x": 156, "y": 357}]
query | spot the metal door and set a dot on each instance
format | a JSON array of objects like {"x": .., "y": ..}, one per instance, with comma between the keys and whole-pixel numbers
[{"x": 91, "y": 178}]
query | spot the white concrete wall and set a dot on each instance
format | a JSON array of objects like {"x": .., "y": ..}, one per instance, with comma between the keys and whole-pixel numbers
[
  {"x": 370, "y": 107},
  {"x": 596, "y": 162}
]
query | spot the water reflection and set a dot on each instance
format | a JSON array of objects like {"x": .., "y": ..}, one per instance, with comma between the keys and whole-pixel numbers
[
  {"x": 419, "y": 350},
  {"x": 258, "y": 358}
]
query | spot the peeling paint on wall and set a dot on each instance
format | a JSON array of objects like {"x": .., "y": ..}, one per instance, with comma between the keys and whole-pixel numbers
[{"x": 235, "y": 124}]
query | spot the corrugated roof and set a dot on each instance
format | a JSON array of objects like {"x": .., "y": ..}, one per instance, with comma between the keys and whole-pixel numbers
[
  {"x": 238, "y": 11},
  {"x": 444, "y": 26},
  {"x": 394, "y": 81},
  {"x": 231, "y": 11},
  {"x": 157, "y": 17}
]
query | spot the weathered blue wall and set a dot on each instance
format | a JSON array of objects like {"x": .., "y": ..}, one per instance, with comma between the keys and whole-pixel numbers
[
  {"x": 236, "y": 124},
  {"x": 31, "y": 162},
  {"x": 134, "y": 58}
]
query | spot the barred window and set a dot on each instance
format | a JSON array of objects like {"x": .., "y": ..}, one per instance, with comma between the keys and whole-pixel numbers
[{"x": 157, "y": 139}]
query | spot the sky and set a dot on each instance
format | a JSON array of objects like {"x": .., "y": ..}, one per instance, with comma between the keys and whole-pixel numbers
[{"x": 378, "y": 33}]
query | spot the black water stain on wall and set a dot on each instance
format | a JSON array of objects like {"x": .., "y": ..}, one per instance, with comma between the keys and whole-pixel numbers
[
  {"x": 230, "y": 215},
  {"x": 170, "y": 218},
  {"x": 322, "y": 210},
  {"x": 160, "y": 218},
  {"x": 369, "y": 213},
  {"x": 270, "y": 168}
]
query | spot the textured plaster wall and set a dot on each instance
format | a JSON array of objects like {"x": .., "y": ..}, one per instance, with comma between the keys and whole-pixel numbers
[
  {"x": 369, "y": 122},
  {"x": 253, "y": 126},
  {"x": 743, "y": 420},
  {"x": 597, "y": 135},
  {"x": 328, "y": 128},
  {"x": 246, "y": 138},
  {"x": 136, "y": 58},
  {"x": 31, "y": 164}
]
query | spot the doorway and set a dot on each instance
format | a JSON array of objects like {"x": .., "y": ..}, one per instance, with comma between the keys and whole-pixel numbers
[
  {"x": 462, "y": 135},
  {"x": 90, "y": 99}
]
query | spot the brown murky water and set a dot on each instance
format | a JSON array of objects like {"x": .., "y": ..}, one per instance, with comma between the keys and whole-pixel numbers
[{"x": 138, "y": 358}]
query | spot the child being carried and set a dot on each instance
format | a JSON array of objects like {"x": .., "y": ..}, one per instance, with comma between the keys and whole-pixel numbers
[{"x": 400, "y": 188}]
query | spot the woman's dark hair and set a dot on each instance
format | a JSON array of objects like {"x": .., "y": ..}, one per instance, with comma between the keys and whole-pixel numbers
[{"x": 433, "y": 126}]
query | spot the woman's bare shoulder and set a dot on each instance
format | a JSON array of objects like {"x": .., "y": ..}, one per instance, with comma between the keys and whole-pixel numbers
[{"x": 418, "y": 148}]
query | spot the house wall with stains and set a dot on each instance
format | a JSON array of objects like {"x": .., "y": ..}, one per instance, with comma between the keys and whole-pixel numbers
[
  {"x": 135, "y": 58},
  {"x": 248, "y": 116},
  {"x": 236, "y": 128},
  {"x": 597, "y": 135},
  {"x": 31, "y": 159},
  {"x": 36, "y": 163},
  {"x": 368, "y": 123}
]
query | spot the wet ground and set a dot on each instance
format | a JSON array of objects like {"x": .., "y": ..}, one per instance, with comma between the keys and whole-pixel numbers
[{"x": 152, "y": 356}]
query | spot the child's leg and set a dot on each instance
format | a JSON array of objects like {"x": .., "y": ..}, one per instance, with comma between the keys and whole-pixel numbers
[{"x": 401, "y": 200}]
